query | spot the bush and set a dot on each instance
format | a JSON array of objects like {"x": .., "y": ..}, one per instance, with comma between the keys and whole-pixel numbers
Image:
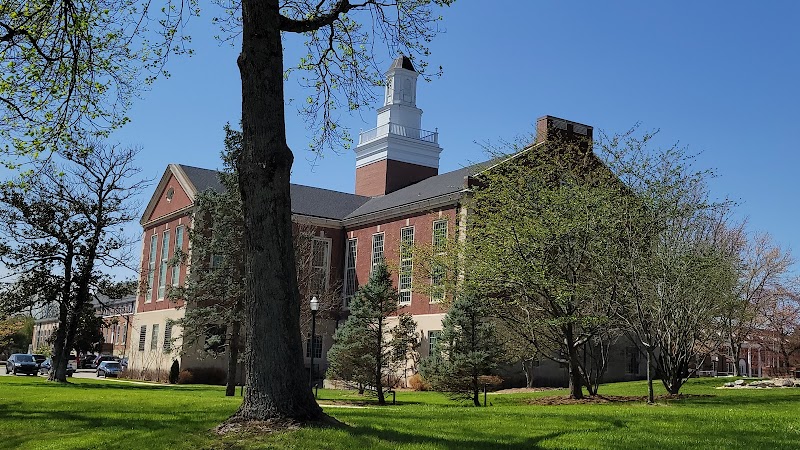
[
  {"x": 202, "y": 375},
  {"x": 417, "y": 383},
  {"x": 174, "y": 372},
  {"x": 157, "y": 375},
  {"x": 492, "y": 382}
]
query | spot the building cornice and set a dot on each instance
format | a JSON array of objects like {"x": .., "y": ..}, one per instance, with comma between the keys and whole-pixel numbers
[{"x": 384, "y": 215}]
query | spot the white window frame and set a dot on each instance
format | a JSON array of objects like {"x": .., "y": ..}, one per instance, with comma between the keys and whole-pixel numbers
[
  {"x": 433, "y": 338},
  {"x": 151, "y": 267},
  {"x": 350, "y": 283},
  {"x": 377, "y": 257},
  {"x": 176, "y": 269},
  {"x": 326, "y": 263},
  {"x": 162, "y": 271},
  {"x": 154, "y": 338},
  {"x": 405, "y": 276},
  {"x": 142, "y": 337},
  {"x": 439, "y": 249}
]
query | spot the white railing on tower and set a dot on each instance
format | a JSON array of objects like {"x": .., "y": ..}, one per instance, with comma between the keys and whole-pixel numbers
[{"x": 398, "y": 130}]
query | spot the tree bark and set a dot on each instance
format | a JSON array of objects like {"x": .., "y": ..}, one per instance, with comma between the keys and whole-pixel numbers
[
  {"x": 58, "y": 370},
  {"x": 575, "y": 377},
  {"x": 527, "y": 367},
  {"x": 650, "y": 395},
  {"x": 233, "y": 359},
  {"x": 274, "y": 365},
  {"x": 379, "y": 363}
]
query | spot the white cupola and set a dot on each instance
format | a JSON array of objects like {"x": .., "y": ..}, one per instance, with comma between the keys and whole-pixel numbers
[{"x": 406, "y": 153}]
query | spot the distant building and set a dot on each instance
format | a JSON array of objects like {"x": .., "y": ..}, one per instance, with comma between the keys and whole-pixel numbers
[{"x": 116, "y": 314}]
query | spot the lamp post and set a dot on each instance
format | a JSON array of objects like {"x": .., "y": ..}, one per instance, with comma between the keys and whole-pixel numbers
[{"x": 314, "y": 307}]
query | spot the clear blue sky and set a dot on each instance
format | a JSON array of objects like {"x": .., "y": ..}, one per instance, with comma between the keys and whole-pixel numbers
[{"x": 721, "y": 77}]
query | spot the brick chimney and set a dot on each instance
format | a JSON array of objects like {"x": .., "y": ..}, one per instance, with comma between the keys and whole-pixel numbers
[
  {"x": 554, "y": 129},
  {"x": 397, "y": 153}
]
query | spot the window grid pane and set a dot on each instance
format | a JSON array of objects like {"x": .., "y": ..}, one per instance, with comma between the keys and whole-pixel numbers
[
  {"x": 350, "y": 271},
  {"x": 162, "y": 273},
  {"x": 176, "y": 269},
  {"x": 142, "y": 336},
  {"x": 439, "y": 247},
  {"x": 377, "y": 250},
  {"x": 433, "y": 338},
  {"x": 151, "y": 267},
  {"x": 154, "y": 338},
  {"x": 317, "y": 348},
  {"x": 319, "y": 265},
  {"x": 168, "y": 337},
  {"x": 406, "y": 264}
]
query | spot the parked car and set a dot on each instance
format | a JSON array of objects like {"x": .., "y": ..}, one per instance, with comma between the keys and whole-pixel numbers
[
  {"x": 21, "y": 363},
  {"x": 109, "y": 369},
  {"x": 39, "y": 358},
  {"x": 87, "y": 362},
  {"x": 102, "y": 358},
  {"x": 47, "y": 365}
]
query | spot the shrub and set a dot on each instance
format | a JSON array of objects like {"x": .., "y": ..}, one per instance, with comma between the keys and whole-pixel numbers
[
  {"x": 174, "y": 372},
  {"x": 157, "y": 375},
  {"x": 492, "y": 382},
  {"x": 202, "y": 375},
  {"x": 417, "y": 383}
]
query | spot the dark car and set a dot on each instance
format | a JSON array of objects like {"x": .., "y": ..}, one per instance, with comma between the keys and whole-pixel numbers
[
  {"x": 109, "y": 369},
  {"x": 39, "y": 358},
  {"x": 21, "y": 363},
  {"x": 47, "y": 365},
  {"x": 102, "y": 358},
  {"x": 87, "y": 362}
]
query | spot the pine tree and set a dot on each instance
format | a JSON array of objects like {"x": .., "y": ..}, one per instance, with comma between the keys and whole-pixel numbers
[
  {"x": 361, "y": 351},
  {"x": 466, "y": 349}
]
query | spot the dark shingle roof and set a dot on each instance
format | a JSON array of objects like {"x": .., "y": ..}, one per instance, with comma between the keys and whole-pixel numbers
[
  {"x": 449, "y": 183},
  {"x": 402, "y": 62},
  {"x": 306, "y": 200}
]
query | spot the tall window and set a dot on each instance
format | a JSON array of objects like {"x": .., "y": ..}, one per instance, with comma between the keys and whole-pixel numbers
[
  {"x": 154, "y": 337},
  {"x": 437, "y": 271},
  {"x": 168, "y": 336},
  {"x": 433, "y": 338},
  {"x": 406, "y": 264},
  {"x": 377, "y": 250},
  {"x": 176, "y": 269},
  {"x": 320, "y": 255},
  {"x": 632, "y": 356},
  {"x": 350, "y": 271},
  {"x": 162, "y": 273},
  {"x": 151, "y": 267},
  {"x": 142, "y": 336},
  {"x": 316, "y": 348}
]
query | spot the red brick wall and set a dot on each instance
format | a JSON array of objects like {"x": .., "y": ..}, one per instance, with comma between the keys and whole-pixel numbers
[
  {"x": 383, "y": 177},
  {"x": 179, "y": 200},
  {"x": 155, "y": 303},
  {"x": 423, "y": 234}
]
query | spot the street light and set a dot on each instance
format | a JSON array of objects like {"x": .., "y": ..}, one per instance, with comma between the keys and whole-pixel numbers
[{"x": 314, "y": 308}]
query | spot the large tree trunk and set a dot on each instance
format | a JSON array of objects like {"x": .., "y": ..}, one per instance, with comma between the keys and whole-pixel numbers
[
  {"x": 650, "y": 395},
  {"x": 274, "y": 365},
  {"x": 233, "y": 359},
  {"x": 575, "y": 377},
  {"x": 58, "y": 367},
  {"x": 527, "y": 367},
  {"x": 379, "y": 363}
]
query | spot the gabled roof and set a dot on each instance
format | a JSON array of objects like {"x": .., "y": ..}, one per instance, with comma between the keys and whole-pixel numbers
[
  {"x": 306, "y": 200},
  {"x": 446, "y": 184}
]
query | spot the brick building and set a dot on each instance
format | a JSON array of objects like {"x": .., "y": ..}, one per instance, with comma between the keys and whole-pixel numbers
[{"x": 400, "y": 198}]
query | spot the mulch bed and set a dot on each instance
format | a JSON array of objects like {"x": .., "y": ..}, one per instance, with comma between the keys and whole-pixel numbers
[{"x": 605, "y": 399}]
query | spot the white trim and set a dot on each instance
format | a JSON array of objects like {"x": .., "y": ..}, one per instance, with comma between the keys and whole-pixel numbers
[
  {"x": 183, "y": 181},
  {"x": 398, "y": 148}
]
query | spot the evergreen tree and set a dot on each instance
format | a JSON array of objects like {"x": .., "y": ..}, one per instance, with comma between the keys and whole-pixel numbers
[
  {"x": 361, "y": 352},
  {"x": 466, "y": 349}
]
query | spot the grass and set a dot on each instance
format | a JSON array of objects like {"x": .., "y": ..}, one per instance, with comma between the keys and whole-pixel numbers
[{"x": 89, "y": 413}]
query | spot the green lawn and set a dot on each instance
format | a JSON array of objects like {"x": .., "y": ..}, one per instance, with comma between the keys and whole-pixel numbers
[{"x": 90, "y": 413}]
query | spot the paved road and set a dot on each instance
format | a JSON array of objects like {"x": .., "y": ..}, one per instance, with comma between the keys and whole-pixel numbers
[{"x": 81, "y": 373}]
